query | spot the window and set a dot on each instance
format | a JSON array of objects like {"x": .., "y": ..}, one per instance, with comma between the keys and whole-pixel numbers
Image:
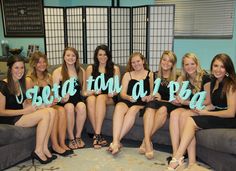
[{"x": 203, "y": 18}]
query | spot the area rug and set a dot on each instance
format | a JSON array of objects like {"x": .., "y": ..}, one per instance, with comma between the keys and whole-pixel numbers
[{"x": 89, "y": 159}]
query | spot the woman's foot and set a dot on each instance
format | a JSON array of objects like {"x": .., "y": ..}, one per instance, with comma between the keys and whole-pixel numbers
[
  {"x": 149, "y": 154},
  {"x": 177, "y": 164},
  {"x": 102, "y": 140},
  {"x": 73, "y": 144},
  {"x": 80, "y": 143},
  {"x": 142, "y": 149},
  {"x": 114, "y": 148},
  {"x": 96, "y": 143}
]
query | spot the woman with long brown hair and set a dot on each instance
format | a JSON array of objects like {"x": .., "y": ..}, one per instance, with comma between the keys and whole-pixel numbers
[
  {"x": 73, "y": 104},
  {"x": 15, "y": 109}
]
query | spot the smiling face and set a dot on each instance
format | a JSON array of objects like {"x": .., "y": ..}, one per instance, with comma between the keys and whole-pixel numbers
[
  {"x": 41, "y": 66},
  {"x": 70, "y": 57},
  {"x": 17, "y": 70},
  {"x": 218, "y": 69},
  {"x": 166, "y": 63},
  {"x": 137, "y": 63},
  {"x": 190, "y": 66},
  {"x": 102, "y": 57}
]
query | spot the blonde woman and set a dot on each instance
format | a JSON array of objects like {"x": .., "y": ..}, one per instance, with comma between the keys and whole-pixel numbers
[
  {"x": 73, "y": 104},
  {"x": 220, "y": 113},
  {"x": 38, "y": 76},
  {"x": 127, "y": 108},
  {"x": 199, "y": 80},
  {"x": 159, "y": 109}
]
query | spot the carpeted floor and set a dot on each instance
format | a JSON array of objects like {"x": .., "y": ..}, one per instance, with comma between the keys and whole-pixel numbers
[{"x": 90, "y": 159}]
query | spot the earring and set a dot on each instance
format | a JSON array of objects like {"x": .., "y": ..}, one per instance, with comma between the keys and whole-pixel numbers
[{"x": 227, "y": 74}]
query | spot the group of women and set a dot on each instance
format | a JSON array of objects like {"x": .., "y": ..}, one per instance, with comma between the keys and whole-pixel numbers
[{"x": 69, "y": 113}]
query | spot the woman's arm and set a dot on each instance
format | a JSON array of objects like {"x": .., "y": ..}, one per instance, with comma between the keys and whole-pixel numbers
[
  {"x": 124, "y": 84},
  {"x": 83, "y": 92},
  {"x": 88, "y": 73},
  {"x": 229, "y": 112},
  {"x": 207, "y": 88},
  {"x": 13, "y": 112}
]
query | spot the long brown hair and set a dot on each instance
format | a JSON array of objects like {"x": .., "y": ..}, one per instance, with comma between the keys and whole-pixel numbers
[
  {"x": 173, "y": 60},
  {"x": 230, "y": 79},
  {"x": 34, "y": 59},
  {"x": 64, "y": 69},
  {"x": 11, "y": 85},
  {"x": 129, "y": 65}
]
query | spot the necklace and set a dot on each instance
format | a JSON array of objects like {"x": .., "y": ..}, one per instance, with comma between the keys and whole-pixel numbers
[{"x": 21, "y": 96}]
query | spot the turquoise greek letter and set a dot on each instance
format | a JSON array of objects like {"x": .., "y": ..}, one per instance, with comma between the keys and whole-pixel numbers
[
  {"x": 197, "y": 100},
  {"x": 141, "y": 92},
  {"x": 173, "y": 87}
]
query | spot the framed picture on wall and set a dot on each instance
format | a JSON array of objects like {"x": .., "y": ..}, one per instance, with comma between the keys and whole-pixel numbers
[{"x": 22, "y": 18}]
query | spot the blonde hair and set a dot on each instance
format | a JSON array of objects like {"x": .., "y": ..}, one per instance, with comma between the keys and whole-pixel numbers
[
  {"x": 173, "y": 60},
  {"x": 129, "y": 65},
  {"x": 197, "y": 81},
  {"x": 34, "y": 59}
]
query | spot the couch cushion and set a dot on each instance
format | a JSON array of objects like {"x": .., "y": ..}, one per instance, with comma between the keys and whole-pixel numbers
[
  {"x": 10, "y": 133},
  {"x": 223, "y": 140}
]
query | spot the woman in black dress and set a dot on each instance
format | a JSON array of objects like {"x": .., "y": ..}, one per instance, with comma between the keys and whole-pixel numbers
[
  {"x": 199, "y": 80},
  {"x": 219, "y": 114},
  {"x": 159, "y": 109},
  {"x": 97, "y": 100},
  {"x": 73, "y": 104},
  {"x": 127, "y": 108},
  {"x": 38, "y": 75},
  {"x": 14, "y": 109}
]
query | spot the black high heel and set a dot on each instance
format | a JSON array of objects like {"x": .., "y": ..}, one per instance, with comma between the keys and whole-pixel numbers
[
  {"x": 52, "y": 158},
  {"x": 35, "y": 156},
  {"x": 66, "y": 153}
]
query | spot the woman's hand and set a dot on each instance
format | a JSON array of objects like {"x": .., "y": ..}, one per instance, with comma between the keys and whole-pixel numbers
[
  {"x": 157, "y": 96},
  {"x": 131, "y": 99},
  {"x": 65, "y": 98}
]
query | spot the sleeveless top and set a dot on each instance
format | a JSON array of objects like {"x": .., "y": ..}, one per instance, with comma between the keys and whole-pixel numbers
[
  {"x": 217, "y": 99},
  {"x": 77, "y": 97},
  {"x": 205, "y": 79},
  {"x": 163, "y": 89},
  {"x": 106, "y": 76},
  {"x": 11, "y": 103},
  {"x": 131, "y": 84}
]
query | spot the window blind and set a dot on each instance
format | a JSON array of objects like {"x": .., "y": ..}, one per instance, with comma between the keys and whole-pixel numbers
[{"x": 203, "y": 18}]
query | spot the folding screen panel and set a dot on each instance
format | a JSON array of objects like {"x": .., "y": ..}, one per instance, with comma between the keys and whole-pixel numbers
[
  {"x": 161, "y": 33},
  {"x": 140, "y": 30},
  {"x": 96, "y": 30},
  {"x": 120, "y": 35},
  {"x": 147, "y": 29},
  {"x": 54, "y": 34},
  {"x": 74, "y": 20}
]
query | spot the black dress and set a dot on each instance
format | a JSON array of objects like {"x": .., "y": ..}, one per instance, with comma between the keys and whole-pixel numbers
[
  {"x": 220, "y": 103},
  {"x": 164, "y": 92},
  {"x": 107, "y": 77},
  {"x": 131, "y": 84},
  {"x": 11, "y": 103},
  {"x": 77, "y": 97}
]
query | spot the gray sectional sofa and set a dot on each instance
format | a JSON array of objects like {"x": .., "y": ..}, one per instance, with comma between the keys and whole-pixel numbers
[{"x": 216, "y": 147}]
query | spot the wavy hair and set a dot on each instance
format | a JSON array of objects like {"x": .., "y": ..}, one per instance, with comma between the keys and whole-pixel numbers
[
  {"x": 197, "y": 81},
  {"x": 173, "y": 60},
  {"x": 11, "y": 85},
  {"x": 34, "y": 60},
  {"x": 129, "y": 65},
  {"x": 230, "y": 80},
  {"x": 109, "y": 68}
]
